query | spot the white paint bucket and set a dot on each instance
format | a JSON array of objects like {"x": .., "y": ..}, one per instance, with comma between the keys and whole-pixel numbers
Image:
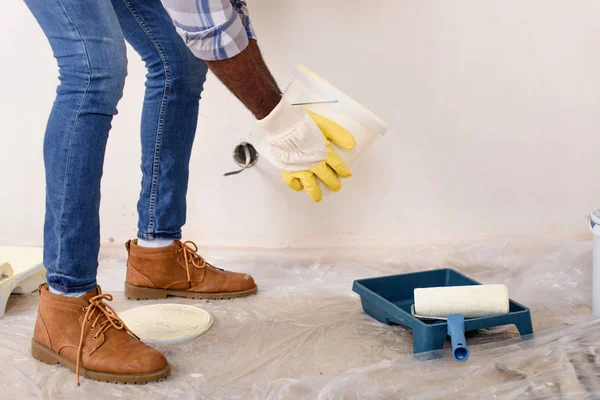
[
  {"x": 595, "y": 226},
  {"x": 316, "y": 94}
]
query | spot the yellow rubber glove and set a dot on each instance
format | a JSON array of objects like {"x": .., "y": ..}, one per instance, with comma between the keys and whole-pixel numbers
[
  {"x": 298, "y": 143},
  {"x": 328, "y": 169}
]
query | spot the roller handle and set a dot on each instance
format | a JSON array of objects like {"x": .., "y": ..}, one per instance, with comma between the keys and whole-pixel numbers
[{"x": 456, "y": 330}]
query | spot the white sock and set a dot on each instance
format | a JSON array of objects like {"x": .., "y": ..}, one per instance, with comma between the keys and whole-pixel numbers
[
  {"x": 54, "y": 291},
  {"x": 154, "y": 243}
]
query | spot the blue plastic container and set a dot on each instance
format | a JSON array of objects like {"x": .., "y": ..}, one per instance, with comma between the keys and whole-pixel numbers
[
  {"x": 389, "y": 299},
  {"x": 456, "y": 331}
]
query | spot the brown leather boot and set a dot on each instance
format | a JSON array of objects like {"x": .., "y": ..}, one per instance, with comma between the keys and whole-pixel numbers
[
  {"x": 178, "y": 270},
  {"x": 85, "y": 335}
]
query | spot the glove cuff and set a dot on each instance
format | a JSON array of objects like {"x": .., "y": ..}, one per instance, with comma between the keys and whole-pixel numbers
[{"x": 283, "y": 117}]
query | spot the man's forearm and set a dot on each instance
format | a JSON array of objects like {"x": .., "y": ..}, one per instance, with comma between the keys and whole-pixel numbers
[
  {"x": 229, "y": 48},
  {"x": 253, "y": 45},
  {"x": 245, "y": 78}
]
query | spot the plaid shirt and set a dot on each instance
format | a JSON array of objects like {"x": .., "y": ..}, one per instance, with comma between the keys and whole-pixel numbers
[{"x": 212, "y": 29}]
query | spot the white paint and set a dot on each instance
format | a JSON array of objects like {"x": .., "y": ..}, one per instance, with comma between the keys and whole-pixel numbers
[
  {"x": 167, "y": 323},
  {"x": 492, "y": 107}
]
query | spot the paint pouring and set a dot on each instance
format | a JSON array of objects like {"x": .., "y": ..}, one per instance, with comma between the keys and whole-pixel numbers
[
  {"x": 167, "y": 323},
  {"x": 455, "y": 303}
]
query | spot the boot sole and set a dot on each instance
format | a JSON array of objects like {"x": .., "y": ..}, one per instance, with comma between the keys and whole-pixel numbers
[
  {"x": 144, "y": 293},
  {"x": 49, "y": 356}
]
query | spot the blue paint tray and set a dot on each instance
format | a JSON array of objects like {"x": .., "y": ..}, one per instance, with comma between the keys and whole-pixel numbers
[{"x": 389, "y": 300}]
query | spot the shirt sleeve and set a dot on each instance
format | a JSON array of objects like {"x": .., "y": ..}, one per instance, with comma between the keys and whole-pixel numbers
[
  {"x": 212, "y": 29},
  {"x": 241, "y": 8}
]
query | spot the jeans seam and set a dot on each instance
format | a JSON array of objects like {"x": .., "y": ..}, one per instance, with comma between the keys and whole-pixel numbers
[
  {"x": 161, "y": 116},
  {"x": 72, "y": 133},
  {"x": 159, "y": 235},
  {"x": 74, "y": 289}
]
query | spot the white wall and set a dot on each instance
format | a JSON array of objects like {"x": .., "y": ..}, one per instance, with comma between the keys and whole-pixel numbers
[{"x": 493, "y": 109}]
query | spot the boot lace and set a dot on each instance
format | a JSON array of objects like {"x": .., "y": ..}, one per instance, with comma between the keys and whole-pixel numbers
[
  {"x": 102, "y": 317},
  {"x": 193, "y": 259}
]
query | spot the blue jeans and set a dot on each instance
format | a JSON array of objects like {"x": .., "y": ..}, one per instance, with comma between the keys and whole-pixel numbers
[{"x": 88, "y": 41}]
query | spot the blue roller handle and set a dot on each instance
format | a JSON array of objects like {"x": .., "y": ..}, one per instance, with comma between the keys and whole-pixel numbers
[{"x": 456, "y": 330}]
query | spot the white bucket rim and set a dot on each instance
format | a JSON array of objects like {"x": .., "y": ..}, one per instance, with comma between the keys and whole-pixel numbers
[{"x": 351, "y": 106}]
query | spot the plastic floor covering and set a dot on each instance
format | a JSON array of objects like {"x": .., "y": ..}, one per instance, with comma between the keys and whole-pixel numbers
[{"x": 304, "y": 336}]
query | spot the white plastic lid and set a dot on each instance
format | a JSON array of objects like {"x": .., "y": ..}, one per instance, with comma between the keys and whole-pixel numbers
[{"x": 167, "y": 323}]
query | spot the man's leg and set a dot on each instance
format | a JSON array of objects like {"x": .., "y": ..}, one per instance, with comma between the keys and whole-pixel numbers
[
  {"x": 174, "y": 82},
  {"x": 73, "y": 330},
  {"x": 89, "y": 47}
]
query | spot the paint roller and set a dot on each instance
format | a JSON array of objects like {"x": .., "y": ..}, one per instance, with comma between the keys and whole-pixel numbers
[{"x": 455, "y": 303}]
